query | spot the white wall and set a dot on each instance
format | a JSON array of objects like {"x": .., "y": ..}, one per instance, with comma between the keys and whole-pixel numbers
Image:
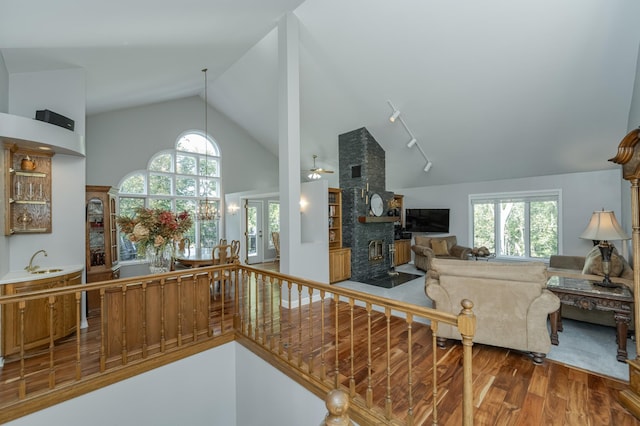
[
  {"x": 582, "y": 193},
  {"x": 120, "y": 142},
  {"x": 312, "y": 261},
  {"x": 265, "y": 396},
  {"x": 4, "y": 107},
  {"x": 4, "y": 86},
  {"x": 62, "y": 91},
  {"x": 198, "y": 390},
  {"x": 224, "y": 386}
]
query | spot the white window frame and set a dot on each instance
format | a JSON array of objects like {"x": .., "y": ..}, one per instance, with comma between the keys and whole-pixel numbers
[
  {"x": 525, "y": 196},
  {"x": 214, "y": 154}
]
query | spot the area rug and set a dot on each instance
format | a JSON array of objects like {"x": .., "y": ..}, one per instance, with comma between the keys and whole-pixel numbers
[
  {"x": 391, "y": 281},
  {"x": 583, "y": 345}
]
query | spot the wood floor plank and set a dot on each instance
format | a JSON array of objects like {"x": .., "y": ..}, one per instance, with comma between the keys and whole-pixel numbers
[
  {"x": 531, "y": 411},
  {"x": 508, "y": 389}
]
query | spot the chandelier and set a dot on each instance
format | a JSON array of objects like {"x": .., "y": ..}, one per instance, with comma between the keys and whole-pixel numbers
[{"x": 207, "y": 208}]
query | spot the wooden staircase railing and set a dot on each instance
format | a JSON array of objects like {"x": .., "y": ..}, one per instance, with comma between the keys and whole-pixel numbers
[{"x": 381, "y": 352}]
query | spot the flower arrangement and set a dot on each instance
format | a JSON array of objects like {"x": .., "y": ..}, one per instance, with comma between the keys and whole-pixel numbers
[{"x": 154, "y": 228}]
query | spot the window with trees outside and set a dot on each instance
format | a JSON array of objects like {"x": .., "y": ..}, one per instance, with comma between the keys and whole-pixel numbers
[
  {"x": 517, "y": 225},
  {"x": 176, "y": 180}
]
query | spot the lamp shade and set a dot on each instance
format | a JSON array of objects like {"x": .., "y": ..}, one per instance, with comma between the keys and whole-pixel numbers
[{"x": 603, "y": 226}]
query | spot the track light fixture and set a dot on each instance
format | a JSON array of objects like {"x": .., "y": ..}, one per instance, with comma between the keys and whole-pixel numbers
[{"x": 413, "y": 141}]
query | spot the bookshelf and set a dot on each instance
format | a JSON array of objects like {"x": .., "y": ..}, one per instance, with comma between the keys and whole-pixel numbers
[{"x": 339, "y": 257}]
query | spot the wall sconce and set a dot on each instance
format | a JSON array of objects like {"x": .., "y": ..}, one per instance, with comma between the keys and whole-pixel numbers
[
  {"x": 303, "y": 205},
  {"x": 233, "y": 209}
]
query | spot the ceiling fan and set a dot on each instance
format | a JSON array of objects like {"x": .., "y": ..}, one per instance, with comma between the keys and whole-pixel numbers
[{"x": 315, "y": 173}]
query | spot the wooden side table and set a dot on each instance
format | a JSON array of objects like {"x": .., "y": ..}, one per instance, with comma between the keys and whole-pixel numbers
[{"x": 587, "y": 295}]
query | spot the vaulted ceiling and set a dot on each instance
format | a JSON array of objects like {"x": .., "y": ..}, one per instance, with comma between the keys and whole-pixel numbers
[{"x": 491, "y": 90}]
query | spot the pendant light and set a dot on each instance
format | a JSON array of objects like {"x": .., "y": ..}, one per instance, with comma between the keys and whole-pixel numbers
[{"x": 207, "y": 208}]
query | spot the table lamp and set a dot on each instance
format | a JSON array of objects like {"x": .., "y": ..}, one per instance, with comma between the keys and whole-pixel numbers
[{"x": 604, "y": 227}]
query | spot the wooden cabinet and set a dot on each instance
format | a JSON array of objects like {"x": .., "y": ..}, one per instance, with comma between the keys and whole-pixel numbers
[
  {"x": 40, "y": 318},
  {"x": 101, "y": 238},
  {"x": 403, "y": 252},
  {"x": 339, "y": 265},
  {"x": 335, "y": 218},
  {"x": 27, "y": 191},
  {"x": 339, "y": 257}
]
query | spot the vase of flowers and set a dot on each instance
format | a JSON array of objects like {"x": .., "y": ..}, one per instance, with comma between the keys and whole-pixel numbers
[{"x": 154, "y": 232}]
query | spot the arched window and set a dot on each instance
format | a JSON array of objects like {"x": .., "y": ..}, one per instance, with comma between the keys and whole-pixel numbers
[{"x": 176, "y": 179}]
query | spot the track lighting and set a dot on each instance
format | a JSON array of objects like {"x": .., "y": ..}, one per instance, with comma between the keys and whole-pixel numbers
[{"x": 413, "y": 142}]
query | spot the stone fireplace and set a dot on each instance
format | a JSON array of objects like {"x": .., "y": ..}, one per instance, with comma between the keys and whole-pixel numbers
[{"x": 362, "y": 174}]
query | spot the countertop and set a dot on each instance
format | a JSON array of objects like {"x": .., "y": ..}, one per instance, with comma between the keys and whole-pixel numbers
[{"x": 20, "y": 276}]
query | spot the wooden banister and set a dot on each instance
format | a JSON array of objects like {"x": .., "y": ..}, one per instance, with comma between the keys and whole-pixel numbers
[{"x": 337, "y": 402}]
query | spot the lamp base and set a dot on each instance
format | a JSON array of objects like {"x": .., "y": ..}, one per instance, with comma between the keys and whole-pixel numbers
[{"x": 606, "y": 282}]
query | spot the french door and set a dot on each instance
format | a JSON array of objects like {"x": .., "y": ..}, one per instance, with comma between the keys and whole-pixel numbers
[{"x": 255, "y": 232}]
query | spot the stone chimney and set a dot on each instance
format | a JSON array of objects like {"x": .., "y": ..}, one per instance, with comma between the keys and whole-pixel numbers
[{"x": 362, "y": 174}]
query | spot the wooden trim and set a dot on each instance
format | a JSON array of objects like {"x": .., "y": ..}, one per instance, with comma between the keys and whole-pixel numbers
[{"x": 377, "y": 219}]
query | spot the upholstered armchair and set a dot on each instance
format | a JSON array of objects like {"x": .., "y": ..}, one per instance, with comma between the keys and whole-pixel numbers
[
  {"x": 510, "y": 301},
  {"x": 427, "y": 248}
]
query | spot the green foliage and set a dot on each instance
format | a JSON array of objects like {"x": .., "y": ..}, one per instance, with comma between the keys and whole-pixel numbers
[{"x": 536, "y": 237}]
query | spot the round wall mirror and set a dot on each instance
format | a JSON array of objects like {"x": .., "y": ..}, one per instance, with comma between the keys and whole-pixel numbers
[{"x": 377, "y": 206}]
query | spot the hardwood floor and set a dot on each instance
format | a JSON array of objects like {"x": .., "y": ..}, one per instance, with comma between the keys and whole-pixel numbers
[{"x": 508, "y": 388}]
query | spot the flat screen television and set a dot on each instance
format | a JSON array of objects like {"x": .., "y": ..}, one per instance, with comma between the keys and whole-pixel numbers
[{"x": 427, "y": 220}]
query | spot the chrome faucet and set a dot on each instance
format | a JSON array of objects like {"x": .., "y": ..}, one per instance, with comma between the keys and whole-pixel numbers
[{"x": 31, "y": 267}]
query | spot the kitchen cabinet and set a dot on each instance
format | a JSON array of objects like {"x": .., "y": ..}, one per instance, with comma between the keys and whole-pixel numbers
[{"x": 40, "y": 318}]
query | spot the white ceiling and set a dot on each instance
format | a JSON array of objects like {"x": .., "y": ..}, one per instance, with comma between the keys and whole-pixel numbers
[{"x": 492, "y": 90}]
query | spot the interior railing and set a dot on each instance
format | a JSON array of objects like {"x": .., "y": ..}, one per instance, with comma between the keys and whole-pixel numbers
[{"x": 383, "y": 353}]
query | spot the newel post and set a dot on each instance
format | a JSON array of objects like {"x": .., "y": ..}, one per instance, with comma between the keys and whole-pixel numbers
[
  {"x": 628, "y": 156},
  {"x": 337, "y": 403},
  {"x": 467, "y": 328}
]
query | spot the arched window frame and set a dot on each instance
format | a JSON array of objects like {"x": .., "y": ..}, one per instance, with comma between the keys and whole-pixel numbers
[{"x": 177, "y": 184}]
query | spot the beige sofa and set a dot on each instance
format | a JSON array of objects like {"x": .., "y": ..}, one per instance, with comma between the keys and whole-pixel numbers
[
  {"x": 510, "y": 300},
  {"x": 427, "y": 248}
]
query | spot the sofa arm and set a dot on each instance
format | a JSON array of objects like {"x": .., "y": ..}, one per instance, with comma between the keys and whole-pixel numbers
[
  {"x": 537, "y": 332},
  {"x": 422, "y": 250},
  {"x": 459, "y": 252},
  {"x": 440, "y": 296}
]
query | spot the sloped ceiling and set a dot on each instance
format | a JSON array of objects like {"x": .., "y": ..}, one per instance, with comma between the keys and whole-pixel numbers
[{"x": 491, "y": 89}]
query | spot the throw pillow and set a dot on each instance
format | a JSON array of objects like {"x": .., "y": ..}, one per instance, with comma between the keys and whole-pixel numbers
[
  {"x": 439, "y": 247},
  {"x": 593, "y": 263}
]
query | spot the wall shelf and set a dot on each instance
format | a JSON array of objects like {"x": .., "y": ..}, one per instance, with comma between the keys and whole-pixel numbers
[
  {"x": 27, "y": 192},
  {"x": 377, "y": 219}
]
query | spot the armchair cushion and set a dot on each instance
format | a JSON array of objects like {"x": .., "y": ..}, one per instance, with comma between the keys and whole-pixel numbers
[{"x": 439, "y": 247}]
